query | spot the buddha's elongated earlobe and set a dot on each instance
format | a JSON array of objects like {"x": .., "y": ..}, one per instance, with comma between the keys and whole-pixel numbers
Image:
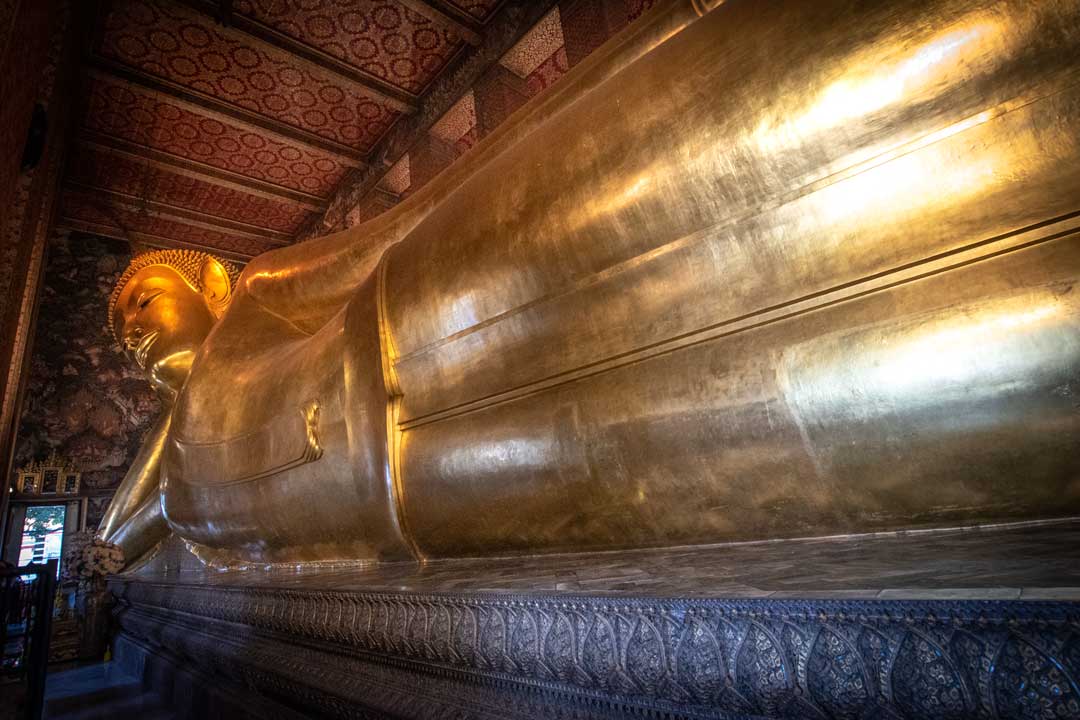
[{"x": 216, "y": 285}]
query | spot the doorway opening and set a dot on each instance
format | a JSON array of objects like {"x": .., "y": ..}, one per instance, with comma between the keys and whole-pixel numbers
[{"x": 42, "y": 534}]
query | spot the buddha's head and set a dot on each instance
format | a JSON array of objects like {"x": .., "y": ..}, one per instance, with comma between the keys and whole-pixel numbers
[{"x": 163, "y": 307}]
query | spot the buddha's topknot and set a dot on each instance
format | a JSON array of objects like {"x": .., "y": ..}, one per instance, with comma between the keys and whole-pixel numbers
[{"x": 186, "y": 262}]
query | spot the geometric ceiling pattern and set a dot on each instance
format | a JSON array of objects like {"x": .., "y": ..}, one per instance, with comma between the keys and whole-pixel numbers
[
  {"x": 177, "y": 45},
  {"x": 148, "y": 119},
  {"x": 393, "y": 43},
  {"x": 557, "y": 40},
  {"x": 226, "y": 124},
  {"x": 239, "y": 126}
]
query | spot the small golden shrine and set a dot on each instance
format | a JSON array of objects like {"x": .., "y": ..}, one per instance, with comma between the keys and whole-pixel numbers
[{"x": 53, "y": 476}]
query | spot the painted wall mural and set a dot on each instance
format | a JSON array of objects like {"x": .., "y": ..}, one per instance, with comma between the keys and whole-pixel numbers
[{"x": 82, "y": 399}]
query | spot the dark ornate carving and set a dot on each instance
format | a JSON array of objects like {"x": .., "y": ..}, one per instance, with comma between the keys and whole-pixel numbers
[{"x": 693, "y": 658}]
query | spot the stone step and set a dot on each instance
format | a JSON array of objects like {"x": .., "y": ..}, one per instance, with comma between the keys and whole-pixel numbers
[
  {"x": 145, "y": 705},
  {"x": 100, "y": 691}
]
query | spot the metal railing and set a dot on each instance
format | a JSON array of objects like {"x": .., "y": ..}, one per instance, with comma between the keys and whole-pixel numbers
[{"x": 26, "y": 604}]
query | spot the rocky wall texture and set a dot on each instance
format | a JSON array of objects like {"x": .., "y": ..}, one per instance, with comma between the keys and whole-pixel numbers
[{"x": 82, "y": 399}]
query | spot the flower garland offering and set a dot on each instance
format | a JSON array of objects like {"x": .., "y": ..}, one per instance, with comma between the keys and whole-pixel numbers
[{"x": 89, "y": 558}]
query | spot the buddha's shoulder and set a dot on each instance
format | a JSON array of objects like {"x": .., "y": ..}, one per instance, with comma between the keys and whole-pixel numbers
[{"x": 245, "y": 375}]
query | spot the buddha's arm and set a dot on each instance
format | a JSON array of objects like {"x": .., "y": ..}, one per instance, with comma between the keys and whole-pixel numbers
[{"x": 141, "y": 480}]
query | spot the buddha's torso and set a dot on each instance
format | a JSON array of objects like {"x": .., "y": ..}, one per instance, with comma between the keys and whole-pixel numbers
[
  {"x": 251, "y": 370},
  {"x": 262, "y": 408}
]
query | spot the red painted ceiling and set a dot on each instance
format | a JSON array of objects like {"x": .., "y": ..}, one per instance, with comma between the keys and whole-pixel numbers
[
  {"x": 134, "y": 114},
  {"x": 203, "y": 119},
  {"x": 235, "y": 125},
  {"x": 385, "y": 39}
]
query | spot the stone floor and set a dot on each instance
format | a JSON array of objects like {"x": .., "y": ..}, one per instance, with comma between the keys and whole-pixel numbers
[
  {"x": 1024, "y": 561},
  {"x": 101, "y": 691}
]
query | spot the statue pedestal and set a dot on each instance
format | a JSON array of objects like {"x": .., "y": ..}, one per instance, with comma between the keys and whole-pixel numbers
[
  {"x": 93, "y": 608},
  {"x": 935, "y": 625}
]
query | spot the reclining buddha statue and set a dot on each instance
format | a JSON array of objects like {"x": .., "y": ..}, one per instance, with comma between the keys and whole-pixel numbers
[{"x": 789, "y": 269}]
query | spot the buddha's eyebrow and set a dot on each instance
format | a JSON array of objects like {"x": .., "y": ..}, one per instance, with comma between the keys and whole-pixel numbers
[
  {"x": 133, "y": 300},
  {"x": 138, "y": 298}
]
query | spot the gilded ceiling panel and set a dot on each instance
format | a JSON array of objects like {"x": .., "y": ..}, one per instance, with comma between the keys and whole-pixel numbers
[
  {"x": 244, "y": 119},
  {"x": 128, "y": 221},
  {"x": 99, "y": 169},
  {"x": 133, "y": 114},
  {"x": 384, "y": 39},
  {"x": 182, "y": 46}
]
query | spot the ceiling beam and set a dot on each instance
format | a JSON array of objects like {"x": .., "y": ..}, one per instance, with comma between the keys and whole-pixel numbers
[
  {"x": 118, "y": 233},
  {"x": 449, "y": 17},
  {"x": 503, "y": 29},
  {"x": 179, "y": 214},
  {"x": 197, "y": 170},
  {"x": 390, "y": 94},
  {"x": 390, "y": 198},
  {"x": 204, "y": 104}
]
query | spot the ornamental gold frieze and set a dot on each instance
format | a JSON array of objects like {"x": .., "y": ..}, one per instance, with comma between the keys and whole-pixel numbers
[
  {"x": 53, "y": 476},
  {"x": 773, "y": 658}
]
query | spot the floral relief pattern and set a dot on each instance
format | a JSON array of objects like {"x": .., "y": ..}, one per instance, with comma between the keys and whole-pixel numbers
[
  {"x": 384, "y": 39},
  {"x": 547, "y": 72},
  {"x": 138, "y": 117},
  {"x": 182, "y": 46},
  {"x": 774, "y": 659}
]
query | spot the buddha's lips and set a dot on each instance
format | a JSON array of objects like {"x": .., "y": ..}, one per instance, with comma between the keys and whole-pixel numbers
[{"x": 144, "y": 347}]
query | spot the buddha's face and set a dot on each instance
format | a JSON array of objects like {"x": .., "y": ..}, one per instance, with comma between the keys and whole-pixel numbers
[{"x": 162, "y": 321}]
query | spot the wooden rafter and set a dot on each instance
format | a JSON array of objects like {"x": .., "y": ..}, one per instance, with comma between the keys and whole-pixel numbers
[
  {"x": 208, "y": 105},
  {"x": 197, "y": 170},
  {"x": 503, "y": 29},
  {"x": 179, "y": 214},
  {"x": 118, "y": 233},
  {"x": 449, "y": 17}
]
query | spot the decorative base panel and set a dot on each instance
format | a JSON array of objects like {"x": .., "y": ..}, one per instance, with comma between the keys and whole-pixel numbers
[{"x": 489, "y": 655}]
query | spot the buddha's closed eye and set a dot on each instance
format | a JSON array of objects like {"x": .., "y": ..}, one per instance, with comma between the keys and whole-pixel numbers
[{"x": 148, "y": 296}]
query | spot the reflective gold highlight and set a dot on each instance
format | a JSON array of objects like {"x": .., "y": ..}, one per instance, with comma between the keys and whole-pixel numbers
[
  {"x": 186, "y": 263},
  {"x": 790, "y": 269}
]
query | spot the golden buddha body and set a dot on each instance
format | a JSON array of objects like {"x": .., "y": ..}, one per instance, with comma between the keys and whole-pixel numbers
[{"x": 792, "y": 269}]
